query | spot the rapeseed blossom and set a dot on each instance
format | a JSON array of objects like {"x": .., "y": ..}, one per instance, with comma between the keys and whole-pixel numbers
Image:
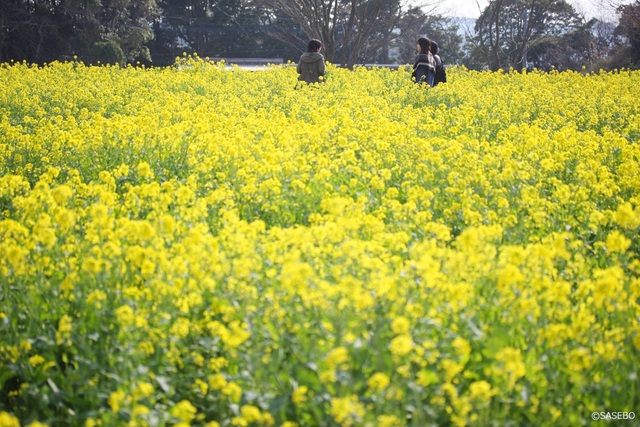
[
  {"x": 378, "y": 382},
  {"x": 347, "y": 411},
  {"x": 184, "y": 411},
  {"x": 194, "y": 245},
  {"x": 8, "y": 420}
]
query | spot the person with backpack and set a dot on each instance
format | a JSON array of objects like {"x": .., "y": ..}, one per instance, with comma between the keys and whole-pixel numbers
[
  {"x": 311, "y": 67},
  {"x": 424, "y": 66},
  {"x": 440, "y": 75}
]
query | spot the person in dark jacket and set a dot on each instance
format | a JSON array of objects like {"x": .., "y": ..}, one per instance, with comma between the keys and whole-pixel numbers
[
  {"x": 311, "y": 65},
  {"x": 424, "y": 67},
  {"x": 440, "y": 76}
]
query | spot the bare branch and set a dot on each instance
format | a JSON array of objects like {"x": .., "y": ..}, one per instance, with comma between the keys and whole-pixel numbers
[{"x": 347, "y": 28}]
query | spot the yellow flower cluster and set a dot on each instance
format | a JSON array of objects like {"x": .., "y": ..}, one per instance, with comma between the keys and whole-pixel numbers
[{"x": 197, "y": 245}]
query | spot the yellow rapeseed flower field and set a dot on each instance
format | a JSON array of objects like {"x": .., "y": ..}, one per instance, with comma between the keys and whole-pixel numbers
[{"x": 197, "y": 245}]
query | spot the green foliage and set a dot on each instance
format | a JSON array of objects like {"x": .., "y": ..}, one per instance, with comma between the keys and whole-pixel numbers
[
  {"x": 508, "y": 29},
  {"x": 109, "y": 52}
]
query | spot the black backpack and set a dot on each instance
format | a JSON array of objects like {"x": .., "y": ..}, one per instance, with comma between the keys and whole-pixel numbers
[{"x": 441, "y": 73}]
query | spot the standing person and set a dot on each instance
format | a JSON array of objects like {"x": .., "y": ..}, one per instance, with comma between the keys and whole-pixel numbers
[
  {"x": 440, "y": 75},
  {"x": 311, "y": 65},
  {"x": 424, "y": 67}
]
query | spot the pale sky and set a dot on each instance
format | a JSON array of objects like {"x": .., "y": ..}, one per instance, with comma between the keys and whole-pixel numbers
[{"x": 469, "y": 8}]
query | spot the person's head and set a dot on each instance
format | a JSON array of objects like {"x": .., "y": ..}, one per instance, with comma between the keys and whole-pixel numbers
[
  {"x": 314, "y": 45},
  {"x": 434, "y": 47},
  {"x": 423, "y": 44}
]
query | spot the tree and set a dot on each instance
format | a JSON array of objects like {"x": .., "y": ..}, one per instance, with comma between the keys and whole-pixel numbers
[
  {"x": 350, "y": 30},
  {"x": 443, "y": 30},
  {"x": 371, "y": 43},
  {"x": 508, "y": 30},
  {"x": 605, "y": 41},
  {"x": 118, "y": 28},
  {"x": 40, "y": 31},
  {"x": 567, "y": 51},
  {"x": 203, "y": 26},
  {"x": 283, "y": 37},
  {"x": 28, "y": 32},
  {"x": 629, "y": 28},
  {"x": 218, "y": 29}
]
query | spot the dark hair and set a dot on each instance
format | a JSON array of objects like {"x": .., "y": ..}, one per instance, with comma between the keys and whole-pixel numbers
[
  {"x": 424, "y": 44},
  {"x": 314, "y": 45},
  {"x": 434, "y": 47}
]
